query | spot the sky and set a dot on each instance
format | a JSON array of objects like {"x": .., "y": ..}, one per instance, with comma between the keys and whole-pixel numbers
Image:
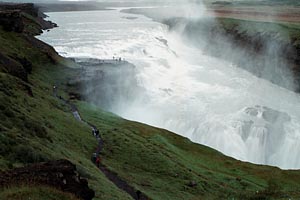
[{"x": 50, "y": 1}]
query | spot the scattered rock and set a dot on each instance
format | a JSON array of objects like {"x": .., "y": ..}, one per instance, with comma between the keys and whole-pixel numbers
[
  {"x": 14, "y": 17},
  {"x": 60, "y": 174},
  {"x": 13, "y": 67},
  {"x": 27, "y": 65},
  {"x": 192, "y": 184},
  {"x": 74, "y": 96}
]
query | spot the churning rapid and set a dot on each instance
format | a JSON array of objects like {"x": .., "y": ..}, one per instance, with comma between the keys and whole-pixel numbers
[{"x": 180, "y": 88}]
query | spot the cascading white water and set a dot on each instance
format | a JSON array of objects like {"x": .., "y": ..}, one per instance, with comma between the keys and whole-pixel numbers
[{"x": 206, "y": 99}]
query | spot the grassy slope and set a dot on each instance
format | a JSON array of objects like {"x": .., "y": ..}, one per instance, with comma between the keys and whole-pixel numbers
[
  {"x": 162, "y": 164},
  {"x": 157, "y": 162},
  {"x": 285, "y": 32},
  {"x": 41, "y": 128},
  {"x": 35, "y": 193}
]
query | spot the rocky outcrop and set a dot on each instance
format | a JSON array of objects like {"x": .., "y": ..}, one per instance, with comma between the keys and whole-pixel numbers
[
  {"x": 13, "y": 67},
  {"x": 11, "y": 21},
  {"x": 266, "y": 50},
  {"x": 97, "y": 78},
  {"x": 276, "y": 60},
  {"x": 28, "y": 8},
  {"x": 17, "y": 66},
  {"x": 60, "y": 174},
  {"x": 43, "y": 47},
  {"x": 16, "y": 18}
]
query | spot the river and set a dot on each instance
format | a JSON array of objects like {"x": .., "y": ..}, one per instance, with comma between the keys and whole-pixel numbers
[{"x": 206, "y": 99}]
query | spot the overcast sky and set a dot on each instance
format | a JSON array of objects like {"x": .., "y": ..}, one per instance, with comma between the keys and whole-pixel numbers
[{"x": 48, "y": 1}]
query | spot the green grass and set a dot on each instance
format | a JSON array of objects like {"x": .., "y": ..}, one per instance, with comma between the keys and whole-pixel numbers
[
  {"x": 283, "y": 31},
  {"x": 34, "y": 193},
  {"x": 159, "y": 163},
  {"x": 162, "y": 164},
  {"x": 41, "y": 127}
]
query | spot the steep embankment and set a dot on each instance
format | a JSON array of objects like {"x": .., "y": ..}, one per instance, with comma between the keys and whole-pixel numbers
[
  {"x": 60, "y": 174},
  {"x": 269, "y": 49},
  {"x": 35, "y": 126}
]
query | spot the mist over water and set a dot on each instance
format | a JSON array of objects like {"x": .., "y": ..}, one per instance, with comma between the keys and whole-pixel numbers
[{"x": 180, "y": 88}]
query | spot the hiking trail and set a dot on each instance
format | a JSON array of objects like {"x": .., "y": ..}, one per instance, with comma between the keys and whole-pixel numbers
[{"x": 112, "y": 176}]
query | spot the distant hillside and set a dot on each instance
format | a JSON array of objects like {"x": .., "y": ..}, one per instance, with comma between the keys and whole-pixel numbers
[{"x": 255, "y": 2}]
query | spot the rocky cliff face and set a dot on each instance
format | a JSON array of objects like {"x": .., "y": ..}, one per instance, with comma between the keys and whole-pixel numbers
[
  {"x": 60, "y": 174},
  {"x": 28, "y": 8},
  {"x": 265, "y": 54},
  {"x": 267, "y": 50},
  {"x": 25, "y": 21},
  {"x": 17, "y": 18},
  {"x": 11, "y": 20},
  {"x": 16, "y": 66}
]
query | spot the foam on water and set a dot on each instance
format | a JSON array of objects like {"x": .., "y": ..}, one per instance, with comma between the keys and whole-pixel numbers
[{"x": 208, "y": 100}]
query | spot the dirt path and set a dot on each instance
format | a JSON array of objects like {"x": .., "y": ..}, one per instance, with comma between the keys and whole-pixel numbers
[{"x": 112, "y": 176}]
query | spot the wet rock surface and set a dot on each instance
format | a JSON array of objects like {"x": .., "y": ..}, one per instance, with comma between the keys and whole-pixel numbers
[
  {"x": 60, "y": 174},
  {"x": 104, "y": 82},
  {"x": 264, "y": 127},
  {"x": 263, "y": 53}
]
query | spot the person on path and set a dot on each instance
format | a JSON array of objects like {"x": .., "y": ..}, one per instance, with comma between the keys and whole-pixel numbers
[
  {"x": 138, "y": 194},
  {"x": 98, "y": 161},
  {"x": 97, "y": 133},
  {"x": 94, "y": 158},
  {"x": 54, "y": 90}
]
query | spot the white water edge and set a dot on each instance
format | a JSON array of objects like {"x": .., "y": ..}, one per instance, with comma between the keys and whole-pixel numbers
[{"x": 208, "y": 100}]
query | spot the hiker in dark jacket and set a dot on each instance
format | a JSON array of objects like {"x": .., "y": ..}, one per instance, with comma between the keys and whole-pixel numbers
[
  {"x": 54, "y": 90},
  {"x": 97, "y": 133},
  {"x": 94, "y": 158}
]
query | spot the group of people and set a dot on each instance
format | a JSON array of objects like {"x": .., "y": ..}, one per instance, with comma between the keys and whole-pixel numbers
[
  {"x": 95, "y": 156},
  {"x": 96, "y": 159},
  {"x": 95, "y": 133},
  {"x": 117, "y": 59}
]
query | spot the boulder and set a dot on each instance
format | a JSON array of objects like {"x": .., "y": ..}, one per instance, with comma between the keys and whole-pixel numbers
[
  {"x": 12, "y": 67},
  {"x": 60, "y": 174}
]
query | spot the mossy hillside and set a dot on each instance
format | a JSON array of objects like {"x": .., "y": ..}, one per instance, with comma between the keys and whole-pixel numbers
[
  {"x": 155, "y": 161},
  {"x": 41, "y": 127},
  {"x": 164, "y": 165},
  {"x": 34, "y": 193},
  {"x": 32, "y": 24},
  {"x": 285, "y": 32},
  {"x": 255, "y": 3},
  {"x": 282, "y": 31}
]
